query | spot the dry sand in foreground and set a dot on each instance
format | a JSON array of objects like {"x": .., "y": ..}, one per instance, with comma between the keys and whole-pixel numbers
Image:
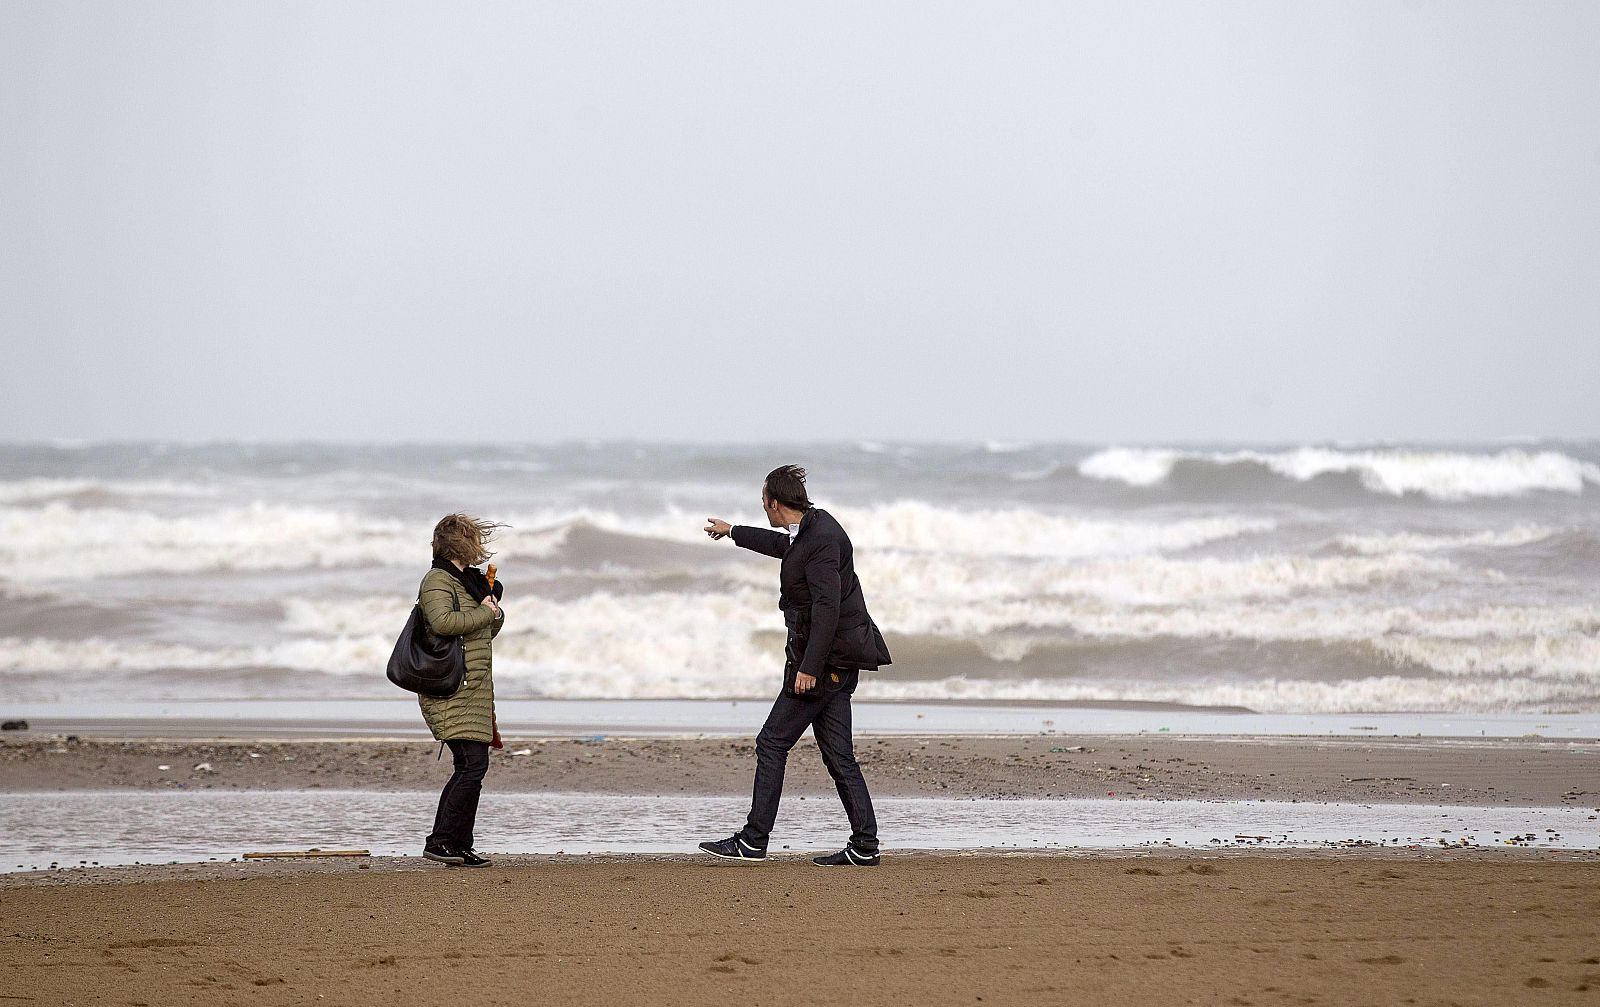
[{"x": 1237, "y": 929}]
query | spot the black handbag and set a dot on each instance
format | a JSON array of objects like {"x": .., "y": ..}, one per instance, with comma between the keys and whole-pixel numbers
[
  {"x": 424, "y": 663},
  {"x": 859, "y": 648}
]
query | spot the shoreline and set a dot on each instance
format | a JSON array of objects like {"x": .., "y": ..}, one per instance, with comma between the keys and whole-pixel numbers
[
  {"x": 1116, "y": 926},
  {"x": 1476, "y": 772},
  {"x": 397, "y": 717}
]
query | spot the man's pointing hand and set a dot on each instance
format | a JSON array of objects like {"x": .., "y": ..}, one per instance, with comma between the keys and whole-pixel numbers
[{"x": 718, "y": 528}]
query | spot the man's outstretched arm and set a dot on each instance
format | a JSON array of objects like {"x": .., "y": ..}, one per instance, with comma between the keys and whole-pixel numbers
[{"x": 762, "y": 540}]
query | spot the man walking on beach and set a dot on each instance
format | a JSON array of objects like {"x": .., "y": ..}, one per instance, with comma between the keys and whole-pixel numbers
[{"x": 831, "y": 640}]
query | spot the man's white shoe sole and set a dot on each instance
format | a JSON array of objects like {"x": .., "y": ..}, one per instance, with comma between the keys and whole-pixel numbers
[
  {"x": 724, "y": 856},
  {"x": 441, "y": 859},
  {"x": 854, "y": 861}
]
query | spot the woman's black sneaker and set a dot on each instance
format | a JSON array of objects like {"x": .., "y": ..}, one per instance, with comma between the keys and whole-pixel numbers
[
  {"x": 470, "y": 858},
  {"x": 443, "y": 853},
  {"x": 847, "y": 857},
  {"x": 733, "y": 848}
]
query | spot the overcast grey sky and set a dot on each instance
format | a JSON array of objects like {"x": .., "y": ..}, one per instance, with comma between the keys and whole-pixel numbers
[{"x": 1098, "y": 222}]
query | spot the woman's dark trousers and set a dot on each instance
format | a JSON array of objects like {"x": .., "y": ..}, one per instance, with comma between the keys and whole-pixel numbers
[
  {"x": 458, "y": 804},
  {"x": 828, "y": 716}
]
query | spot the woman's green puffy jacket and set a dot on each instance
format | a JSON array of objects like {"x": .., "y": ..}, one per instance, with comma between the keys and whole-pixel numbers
[{"x": 468, "y": 714}]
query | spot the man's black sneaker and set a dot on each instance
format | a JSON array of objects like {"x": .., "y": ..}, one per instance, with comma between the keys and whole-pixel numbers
[
  {"x": 847, "y": 857},
  {"x": 733, "y": 848},
  {"x": 470, "y": 858},
  {"x": 444, "y": 854}
]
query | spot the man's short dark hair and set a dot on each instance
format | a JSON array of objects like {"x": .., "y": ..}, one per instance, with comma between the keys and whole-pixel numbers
[{"x": 787, "y": 485}]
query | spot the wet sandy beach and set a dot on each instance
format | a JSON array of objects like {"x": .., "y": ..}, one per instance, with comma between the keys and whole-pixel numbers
[
  {"x": 1370, "y": 926},
  {"x": 1459, "y": 928},
  {"x": 1413, "y": 770}
]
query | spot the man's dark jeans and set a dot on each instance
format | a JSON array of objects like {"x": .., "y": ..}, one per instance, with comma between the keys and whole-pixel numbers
[
  {"x": 458, "y": 804},
  {"x": 828, "y": 716}
]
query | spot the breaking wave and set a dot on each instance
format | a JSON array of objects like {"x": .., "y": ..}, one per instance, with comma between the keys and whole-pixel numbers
[
  {"x": 1279, "y": 580},
  {"x": 61, "y": 542},
  {"x": 1510, "y": 538},
  {"x": 41, "y": 490},
  {"x": 71, "y": 543},
  {"x": 726, "y": 643},
  {"x": 1438, "y": 475},
  {"x": 910, "y": 525}
]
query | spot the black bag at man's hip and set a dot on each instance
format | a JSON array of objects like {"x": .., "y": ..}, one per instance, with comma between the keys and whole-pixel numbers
[
  {"x": 859, "y": 647},
  {"x": 854, "y": 650},
  {"x": 424, "y": 663}
]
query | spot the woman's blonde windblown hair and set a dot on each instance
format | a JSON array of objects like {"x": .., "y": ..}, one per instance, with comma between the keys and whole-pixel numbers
[{"x": 463, "y": 538}]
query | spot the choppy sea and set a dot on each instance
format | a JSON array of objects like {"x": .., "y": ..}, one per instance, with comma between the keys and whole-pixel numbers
[{"x": 1282, "y": 579}]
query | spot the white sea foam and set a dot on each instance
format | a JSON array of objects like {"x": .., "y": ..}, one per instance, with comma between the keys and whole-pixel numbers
[
  {"x": 52, "y": 540},
  {"x": 58, "y": 542},
  {"x": 1313, "y": 622},
  {"x": 917, "y": 526},
  {"x": 344, "y": 616},
  {"x": 27, "y": 592},
  {"x": 614, "y": 646},
  {"x": 339, "y": 656},
  {"x": 1428, "y": 645},
  {"x": 927, "y": 586},
  {"x": 719, "y": 665},
  {"x": 1387, "y": 629},
  {"x": 1385, "y": 693},
  {"x": 1573, "y": 656},
  {"x": 638, "y": 641},
  {"x": 912, "y": 525},
  {"x": 1436, "y": 474},
  {"x": 1509, "y": 538},
  {"x": 1098, "y": 604},
  {"x": 656, "y": 616},
  {"x": 1136, "y": 467},
  {"x": 37, "y": 490}
]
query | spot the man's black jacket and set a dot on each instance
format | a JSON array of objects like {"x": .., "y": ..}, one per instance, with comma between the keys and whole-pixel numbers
[{"x": 819, "y": 593}]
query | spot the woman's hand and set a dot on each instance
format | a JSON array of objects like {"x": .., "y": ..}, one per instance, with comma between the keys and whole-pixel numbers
[{"x": 494, "y": 603}]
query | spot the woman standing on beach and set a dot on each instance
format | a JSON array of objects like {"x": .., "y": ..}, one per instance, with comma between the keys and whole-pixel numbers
[{"x": 459, "y": 600}]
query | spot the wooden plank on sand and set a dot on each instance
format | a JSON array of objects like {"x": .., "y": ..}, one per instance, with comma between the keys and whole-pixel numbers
[{"x": 307, "y": 853}]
